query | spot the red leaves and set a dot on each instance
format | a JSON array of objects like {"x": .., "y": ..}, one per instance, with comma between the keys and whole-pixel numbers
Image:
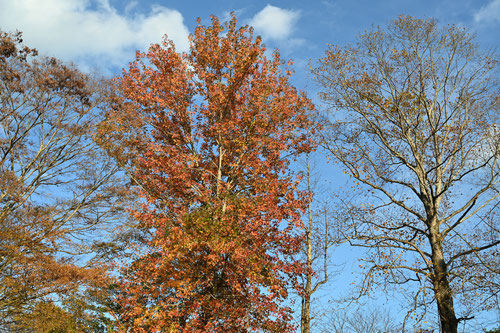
[{"x": 217, "y": 123}]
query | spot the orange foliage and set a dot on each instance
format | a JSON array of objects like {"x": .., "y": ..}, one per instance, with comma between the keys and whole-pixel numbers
[{"x": 209, "y": 136}]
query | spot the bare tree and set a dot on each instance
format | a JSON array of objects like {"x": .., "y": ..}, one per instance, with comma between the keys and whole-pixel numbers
[
  {"x": 58, "y": 192},
  {"x": 360, "y": 320},
  {"x": 316, "y": 250},
  {"x": 416, "y": 128}
]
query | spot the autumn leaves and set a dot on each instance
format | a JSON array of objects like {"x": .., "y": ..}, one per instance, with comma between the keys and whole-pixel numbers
[
  {"x": 183, "y": 163},
  {"x": 218, "y": 128}
]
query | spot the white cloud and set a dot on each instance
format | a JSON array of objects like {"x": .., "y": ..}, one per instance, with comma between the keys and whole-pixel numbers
[
  {"x": 72, "y": 30},
  {"x": 130, "y": 6},
  {"x": 488, "y": 13},
  {"x": 274, "y": 22}
]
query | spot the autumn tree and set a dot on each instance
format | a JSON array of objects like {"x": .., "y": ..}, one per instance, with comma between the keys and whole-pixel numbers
[
  {"x": 57, "y": 190},
  {"x": 416, "y": 126},
  {"x": 208, "y": 137}
]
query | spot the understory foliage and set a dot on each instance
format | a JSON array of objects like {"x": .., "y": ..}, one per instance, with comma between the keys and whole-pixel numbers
[{"x": 208, "y": 137}]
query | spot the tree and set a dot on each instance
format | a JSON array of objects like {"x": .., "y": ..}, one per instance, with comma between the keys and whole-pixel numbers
[
  {"x": 359, "y": 320},
  {"x": 57, "y": 190},
  {"x": 417, "y": 129},
  {"x": 318, "y": 240},
  {"x": 208, "y": 137}
]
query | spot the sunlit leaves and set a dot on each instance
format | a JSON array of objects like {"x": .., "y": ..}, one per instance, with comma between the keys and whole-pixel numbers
[{"x": 208, "y": 137}]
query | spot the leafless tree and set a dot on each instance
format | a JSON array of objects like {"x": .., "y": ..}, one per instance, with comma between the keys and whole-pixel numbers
[
  {"x": 413, "y": 120},
  {"x": 317, "y": 248},
  {"x": 360, "y": 320}
]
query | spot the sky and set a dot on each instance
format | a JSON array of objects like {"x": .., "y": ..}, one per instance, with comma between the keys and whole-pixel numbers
[{"x": 103, "y": 35}]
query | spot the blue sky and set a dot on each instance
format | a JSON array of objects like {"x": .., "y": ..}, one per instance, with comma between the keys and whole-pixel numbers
[{"x": 103, "y": 35}]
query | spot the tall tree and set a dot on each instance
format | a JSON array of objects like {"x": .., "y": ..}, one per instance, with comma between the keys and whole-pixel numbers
[
  {"x": 316, "y": 250},
  {"x": 56, "y": 188},
  {"x": 417, "y": 128},
  {"x": 210, "y": 135}
]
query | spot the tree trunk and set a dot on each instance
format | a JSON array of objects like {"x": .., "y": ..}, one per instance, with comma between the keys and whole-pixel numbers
[
  {"x": 442, "y": 291},
  {"x": 305, "y": 320}
]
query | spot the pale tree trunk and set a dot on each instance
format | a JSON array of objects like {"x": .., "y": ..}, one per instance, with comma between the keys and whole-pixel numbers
[
  {"x": 305, "y": 320},
  {"x": 442, "y": 290},
  {"x": 310, "y": 288}
]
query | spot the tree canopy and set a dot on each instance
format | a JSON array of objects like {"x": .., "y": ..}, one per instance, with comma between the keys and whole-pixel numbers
[
  {"x": 414, "y": 121},
  {"x": 58, "y": 191},
  {"x": 212, "y": 133}
]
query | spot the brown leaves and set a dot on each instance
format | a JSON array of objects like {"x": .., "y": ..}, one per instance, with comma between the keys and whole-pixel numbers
[{"x": 55, "y": 185}]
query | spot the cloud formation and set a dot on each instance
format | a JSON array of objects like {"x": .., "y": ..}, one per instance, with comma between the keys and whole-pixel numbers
[
  {"x": 274, "y": 22},
  {"x": 488, "y": 13},
  {"x": 74, "y": 30}
]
